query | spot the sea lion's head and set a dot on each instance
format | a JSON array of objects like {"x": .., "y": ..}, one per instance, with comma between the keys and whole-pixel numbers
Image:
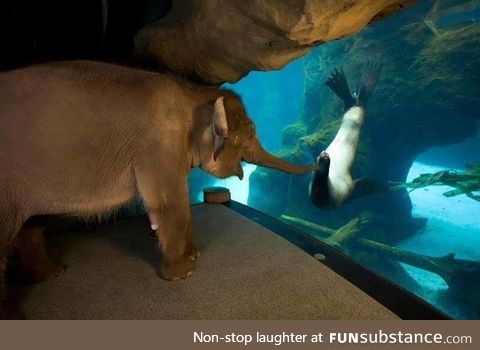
[
  {"x": 322, "y": 163},
  {"x": 318, "y": 190}
]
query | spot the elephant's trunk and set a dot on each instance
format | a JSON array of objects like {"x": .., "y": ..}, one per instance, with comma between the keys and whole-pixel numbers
[{"x": 258, "y": 155}]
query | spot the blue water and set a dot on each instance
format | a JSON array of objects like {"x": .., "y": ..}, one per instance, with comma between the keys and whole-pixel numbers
[
  {"x": 296, "y": 95},
  {"x": 472, "y": 15},
  {"x": 273, "y": 98}
]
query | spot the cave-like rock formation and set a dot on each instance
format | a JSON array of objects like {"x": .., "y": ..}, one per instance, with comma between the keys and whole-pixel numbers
[
  {"x": 217, "y": 41},
  {"x": 428, "y": 95}
]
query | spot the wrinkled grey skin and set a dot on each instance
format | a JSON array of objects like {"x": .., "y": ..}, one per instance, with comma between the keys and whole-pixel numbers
[{"x": 84, "y": 137}]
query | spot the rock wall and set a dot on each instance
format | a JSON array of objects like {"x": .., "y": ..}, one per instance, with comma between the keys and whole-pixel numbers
[{"x": 217, "y": 41}]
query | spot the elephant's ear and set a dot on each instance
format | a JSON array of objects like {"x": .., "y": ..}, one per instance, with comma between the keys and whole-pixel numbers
[{"x": 219, "y": 126}]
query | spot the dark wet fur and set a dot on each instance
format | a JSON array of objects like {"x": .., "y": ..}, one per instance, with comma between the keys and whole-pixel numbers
[
  {"x": 369, "y": 81},
  {"x": 337, "y": 82},
  {"x": 368, "y": 186},
  {"x": 319, "y": 184}
]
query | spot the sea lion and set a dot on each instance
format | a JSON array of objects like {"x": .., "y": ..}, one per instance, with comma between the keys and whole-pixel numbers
[{"x": 331, "y": 184}]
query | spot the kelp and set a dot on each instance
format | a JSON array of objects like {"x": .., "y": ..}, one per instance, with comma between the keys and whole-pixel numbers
[{"x": 467, "y": 182}]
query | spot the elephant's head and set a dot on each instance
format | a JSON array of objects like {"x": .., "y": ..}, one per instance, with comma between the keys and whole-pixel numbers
[{"x": 232, "y": 139}]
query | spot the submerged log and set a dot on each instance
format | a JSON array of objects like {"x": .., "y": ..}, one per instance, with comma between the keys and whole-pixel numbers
[
  {"x": 322, "y": 231},
  {"x": 344, "y": 236},
  {"x": 459, "y": 274},
  {"x": 467, "y": 182}
]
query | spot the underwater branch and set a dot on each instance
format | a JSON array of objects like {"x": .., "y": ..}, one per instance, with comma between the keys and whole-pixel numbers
[{"x": 459, "y": 274}]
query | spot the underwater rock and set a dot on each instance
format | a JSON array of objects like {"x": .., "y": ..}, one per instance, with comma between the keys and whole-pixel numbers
[{"x": 218, "y": 41}]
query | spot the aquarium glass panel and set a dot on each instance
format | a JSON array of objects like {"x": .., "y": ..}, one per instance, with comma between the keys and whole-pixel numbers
[{"x": 414, "y": 216}]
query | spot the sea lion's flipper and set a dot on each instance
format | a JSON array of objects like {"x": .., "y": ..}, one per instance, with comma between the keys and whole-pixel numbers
[
  {"x": 368, "y": 186},
  {"x": 369, "y": 81},
  {"x": 338, "y": 84}
]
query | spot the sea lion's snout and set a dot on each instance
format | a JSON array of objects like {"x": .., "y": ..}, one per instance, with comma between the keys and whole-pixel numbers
[
  {"x": 323, "y": 158},
  {"x": 322, "y": 164},
  {"x": 318, "y": 190}
]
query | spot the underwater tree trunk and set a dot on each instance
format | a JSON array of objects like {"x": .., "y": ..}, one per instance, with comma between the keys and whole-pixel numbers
[
  {"x": 344, "y": 236},
  {"x": 323, "y": 231},
  {"x": 460, "y": 275}
]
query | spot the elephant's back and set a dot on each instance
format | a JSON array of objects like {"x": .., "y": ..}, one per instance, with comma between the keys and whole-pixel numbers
[{"x": 67, "y": 115}]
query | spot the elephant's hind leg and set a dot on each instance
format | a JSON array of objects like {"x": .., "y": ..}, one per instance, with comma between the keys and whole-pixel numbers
[
  {"x": 33, "y": 264},
  {"x": 11, "y": 220}
]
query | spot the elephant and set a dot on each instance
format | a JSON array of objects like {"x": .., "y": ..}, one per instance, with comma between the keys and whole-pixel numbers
[{"x": 84, "y": 137}]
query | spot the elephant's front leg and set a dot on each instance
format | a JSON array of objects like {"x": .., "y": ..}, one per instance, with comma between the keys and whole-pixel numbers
[
  {"x": 174, "y": 235},
  {"x": 190, "y": 250},
  {"x": 166, "y": 202}
]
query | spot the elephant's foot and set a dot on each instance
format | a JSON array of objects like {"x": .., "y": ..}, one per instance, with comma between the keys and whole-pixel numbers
[
  {"x": 178, "y": 270},
  {"x": 39, "y": 273},
  {"x": 192, "y": 252},
  {"x": 10, "y": 313},
  {"x": 9, "y": 308}
]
